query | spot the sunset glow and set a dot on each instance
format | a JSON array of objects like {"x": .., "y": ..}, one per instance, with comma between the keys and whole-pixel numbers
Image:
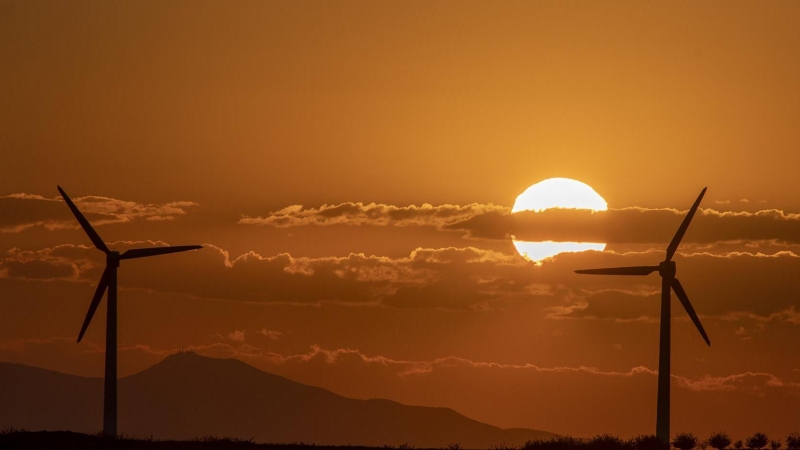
[{"x": 431, "y": 204}]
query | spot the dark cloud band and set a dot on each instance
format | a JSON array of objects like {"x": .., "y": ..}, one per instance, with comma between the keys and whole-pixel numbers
[{"x": 488, "y": 221}]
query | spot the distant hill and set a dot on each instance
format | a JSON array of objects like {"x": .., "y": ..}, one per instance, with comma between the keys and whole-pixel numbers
[{"x": 187, "y": 396}]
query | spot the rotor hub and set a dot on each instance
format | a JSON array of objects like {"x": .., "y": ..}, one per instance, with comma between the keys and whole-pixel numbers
[
  {"x": 112, "y": 259},
  {"x": 667, "y": 269}
]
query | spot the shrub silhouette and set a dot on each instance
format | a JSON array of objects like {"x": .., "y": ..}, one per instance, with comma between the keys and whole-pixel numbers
[
  {"x": 793, "y": 441},
  {"x": 775, "y": 445},
  {"x": 600, "y": 442},
  {"x": 685, "y": 441},
  {"x": 719, "y": 440},
  {"x": 606, "y": 442},
  {"x": 556, "y": 443},
  {"x": 503, "y": 446},
  {"x": 758, "y": 440},
  {"x": 648, "y": 442},
  {"x": 738, "y": 444}
]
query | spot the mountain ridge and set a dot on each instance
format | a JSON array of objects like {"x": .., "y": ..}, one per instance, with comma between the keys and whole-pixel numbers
[{"x": 187, "y": 395}]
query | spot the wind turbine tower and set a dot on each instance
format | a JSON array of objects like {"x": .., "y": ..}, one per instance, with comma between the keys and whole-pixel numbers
[
  {"x": 669, "y": 283},
  {"x": 108, "y": 281}
]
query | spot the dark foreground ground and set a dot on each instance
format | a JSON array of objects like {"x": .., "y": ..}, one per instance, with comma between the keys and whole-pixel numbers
[{"x": 24, "y": 440}]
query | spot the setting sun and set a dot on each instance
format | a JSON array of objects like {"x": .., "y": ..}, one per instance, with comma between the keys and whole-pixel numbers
[{"x": 557, "y": 193}]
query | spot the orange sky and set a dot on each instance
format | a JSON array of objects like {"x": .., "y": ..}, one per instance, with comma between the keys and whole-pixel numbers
[{"x": 209, "y": 122}]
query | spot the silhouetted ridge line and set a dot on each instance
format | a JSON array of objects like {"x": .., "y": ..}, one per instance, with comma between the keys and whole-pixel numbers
[{"x": 187, "y": 395}]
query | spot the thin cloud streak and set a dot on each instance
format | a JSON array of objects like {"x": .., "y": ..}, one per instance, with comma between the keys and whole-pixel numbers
[
  {"x": 373, "y": 214},
  {"x": 25, "y": 211}
]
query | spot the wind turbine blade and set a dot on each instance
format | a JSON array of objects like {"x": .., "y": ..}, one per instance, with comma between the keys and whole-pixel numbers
[
  {"x": 676, "y": 286},
  {"x": 84, "y": 223},
  {"x": 98, "y": 295},
  {"x": 676, "y": 240},
  {"x": 155, "y": 251},
  {"x": 635, "y": 270}
]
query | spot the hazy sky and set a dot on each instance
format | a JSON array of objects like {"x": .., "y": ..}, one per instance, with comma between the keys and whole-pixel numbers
[{"x": 267, "y": 130}]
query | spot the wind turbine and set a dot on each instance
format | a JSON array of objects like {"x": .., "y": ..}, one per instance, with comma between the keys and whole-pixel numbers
[
  {"x": 109, "y": 281},
  {"x": 668, "y": 283}
]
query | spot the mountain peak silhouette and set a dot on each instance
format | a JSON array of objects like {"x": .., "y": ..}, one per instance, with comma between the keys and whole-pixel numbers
[
  {"x": 187, "y": 395},
  {"x": 187, "y": 359}
]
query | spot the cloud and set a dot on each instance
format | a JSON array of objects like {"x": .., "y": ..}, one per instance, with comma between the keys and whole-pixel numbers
[
  {"x": 240, "y": 335},
  {"x": 759, "y": 322},
  {"x": 734, "y": 287},
  {"x": 375, "y": 214},
  {"x": 24, "y": 211},
  {"x": 450, "y": 278},
  {"x": 788, "y": 315},
  {"x": 488, "y": 221},
  {"x": 447, "y": 277},
  {"x": 353, "y": 279},
  {"x": 270, "y": 334},
  {"x": 404, "y": 368},
  {"x": 236, "y": 336},
  {"x": 63, "y": 262},
  {"x": 749, "y": 381},
  {"x": 617, "y": 305},
  {"x": 635, "y": 225}
]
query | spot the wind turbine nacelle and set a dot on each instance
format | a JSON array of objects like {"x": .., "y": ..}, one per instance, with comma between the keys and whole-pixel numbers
[
  {"x": 112, "y": 259},
  {"x": 667, "y": 269}
]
